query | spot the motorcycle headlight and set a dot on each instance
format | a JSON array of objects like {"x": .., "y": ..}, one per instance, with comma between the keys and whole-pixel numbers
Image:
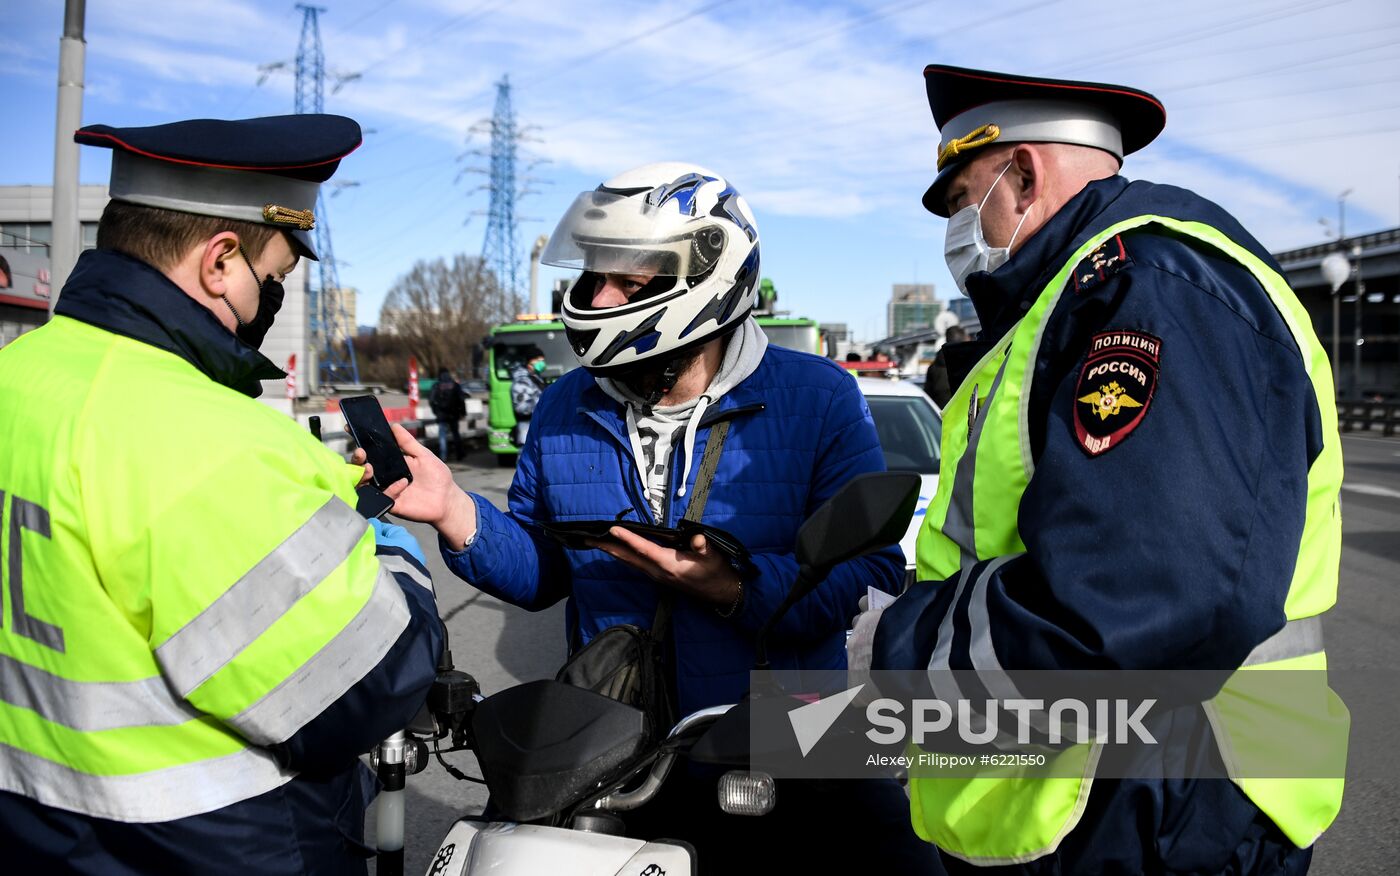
[{"x": 746, "y": 793}]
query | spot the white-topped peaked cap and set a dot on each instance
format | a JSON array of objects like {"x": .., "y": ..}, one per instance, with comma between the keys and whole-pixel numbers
[
  {"x": 266, "y": 170},
  {"x": 976, "y": 108}
]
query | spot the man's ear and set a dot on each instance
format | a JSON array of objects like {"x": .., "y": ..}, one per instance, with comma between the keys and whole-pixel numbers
[
  {"x": 1029, "y": 165},
  {"x": 217, "y": 262}
]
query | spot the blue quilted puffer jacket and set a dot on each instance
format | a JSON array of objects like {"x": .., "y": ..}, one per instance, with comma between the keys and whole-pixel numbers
[{"x": 800, "y": 429}]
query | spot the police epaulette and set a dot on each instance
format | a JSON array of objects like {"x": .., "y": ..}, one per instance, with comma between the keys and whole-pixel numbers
[{"x": 1099, "y": 265}]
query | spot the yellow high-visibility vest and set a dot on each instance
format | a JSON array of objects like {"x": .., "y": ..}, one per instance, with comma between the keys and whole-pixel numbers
[
  {"x": 984, "y": 473},
  {"x": 185, "y": 580}
]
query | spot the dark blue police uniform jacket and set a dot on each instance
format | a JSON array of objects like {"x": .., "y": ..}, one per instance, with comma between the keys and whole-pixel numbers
[{"x": 1212, "y": 485}]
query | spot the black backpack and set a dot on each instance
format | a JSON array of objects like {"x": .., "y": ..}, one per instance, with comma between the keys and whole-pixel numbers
[{"x": 443, "y": 395}]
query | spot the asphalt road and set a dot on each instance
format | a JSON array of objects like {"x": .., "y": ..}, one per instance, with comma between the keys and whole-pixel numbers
[
  {"x": 498, "y": 644},
  {"x": 502, "y": 645},
  {"x": 1363, "y": 651}
]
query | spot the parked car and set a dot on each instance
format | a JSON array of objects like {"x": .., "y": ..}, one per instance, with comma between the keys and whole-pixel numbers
[{"x": 910, "y": 428}]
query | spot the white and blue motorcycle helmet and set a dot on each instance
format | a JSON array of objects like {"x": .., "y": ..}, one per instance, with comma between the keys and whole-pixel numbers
[{"x": 685, "y": 227}]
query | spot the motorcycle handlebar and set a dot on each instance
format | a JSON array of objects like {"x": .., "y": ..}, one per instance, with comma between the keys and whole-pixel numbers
[{"x": 623, "y": 801}]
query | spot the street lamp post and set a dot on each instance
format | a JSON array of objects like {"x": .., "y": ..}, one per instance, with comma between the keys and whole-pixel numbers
[
  {"x": 66, "y": 230},
  {"x": 1358, "y": 338},
  {"x": 1335, "y": 270},
  {"x": 535, "y": 252},
  {"x": 1337, "y": 294}
]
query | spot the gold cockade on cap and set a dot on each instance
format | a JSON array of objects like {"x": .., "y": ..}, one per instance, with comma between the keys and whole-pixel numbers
[
  {"x": 304, "y": 220},
  {"x": 980, "y": 137}
]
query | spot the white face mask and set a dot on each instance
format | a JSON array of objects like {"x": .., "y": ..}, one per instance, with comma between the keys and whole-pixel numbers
[{"x": 964, "y": 247}]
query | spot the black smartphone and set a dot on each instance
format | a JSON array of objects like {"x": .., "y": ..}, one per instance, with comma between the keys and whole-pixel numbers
[
  {"x": 371, "y": 503},
  {"x": 364, "y": 420}
]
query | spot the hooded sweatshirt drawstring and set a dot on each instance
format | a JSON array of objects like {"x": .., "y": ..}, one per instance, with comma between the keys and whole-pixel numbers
[{"x": 691, "y": 427}]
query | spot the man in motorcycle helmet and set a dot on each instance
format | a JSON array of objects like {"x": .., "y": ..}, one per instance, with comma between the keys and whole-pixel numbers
[{"x": 660, "y": 319}]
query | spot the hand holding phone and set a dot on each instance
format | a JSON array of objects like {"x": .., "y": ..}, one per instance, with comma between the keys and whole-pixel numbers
[{"x": 364, "y": 420}]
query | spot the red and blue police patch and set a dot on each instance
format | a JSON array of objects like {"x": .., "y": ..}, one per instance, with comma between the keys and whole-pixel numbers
[{"x": 1115, "y": 388}]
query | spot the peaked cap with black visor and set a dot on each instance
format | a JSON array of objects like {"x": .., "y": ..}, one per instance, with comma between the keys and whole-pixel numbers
[
  {"x": 975, "y": 109},
  {"x": 266, "y": 171},
  {"x": 686, "y": 230}
]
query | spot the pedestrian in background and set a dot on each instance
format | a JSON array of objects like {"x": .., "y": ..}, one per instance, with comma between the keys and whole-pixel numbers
[
  {"x": 526, "y": 384},
  {"x": 449, "y": 405},
  {"x": 936, "y": 379}
]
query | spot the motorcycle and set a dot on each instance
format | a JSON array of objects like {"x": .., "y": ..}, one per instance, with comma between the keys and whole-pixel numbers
[{"x": 562, "y": 762}]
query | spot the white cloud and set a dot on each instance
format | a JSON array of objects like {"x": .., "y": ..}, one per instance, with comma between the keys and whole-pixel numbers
[
  {"x": 810, "y": 202},
  {"x": 816, "y": 109}
]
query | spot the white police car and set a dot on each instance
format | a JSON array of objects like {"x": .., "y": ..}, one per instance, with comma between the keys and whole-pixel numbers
[{"x": 910, "y": 427}]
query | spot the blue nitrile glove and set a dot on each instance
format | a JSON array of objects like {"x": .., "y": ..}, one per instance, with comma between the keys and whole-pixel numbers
[{"x": 389, "y": 535}]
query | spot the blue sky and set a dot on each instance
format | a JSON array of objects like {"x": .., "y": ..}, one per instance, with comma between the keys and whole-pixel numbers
[{"x": 814, "y": 110}]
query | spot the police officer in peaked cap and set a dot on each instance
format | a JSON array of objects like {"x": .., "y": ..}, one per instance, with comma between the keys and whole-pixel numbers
[
  {"x": 203, "y": 634},
  {"x": 1140, "y": 471}
]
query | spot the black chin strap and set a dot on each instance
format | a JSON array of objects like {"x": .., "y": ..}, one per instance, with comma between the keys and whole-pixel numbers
[
  {"x": 637, "y": 380},
  {"x": 669, "y": 375}
]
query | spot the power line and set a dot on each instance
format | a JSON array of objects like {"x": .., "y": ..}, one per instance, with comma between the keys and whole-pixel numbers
[
  {"x": 436, "y": 33},
  {"x": 1289, "y": 66},
  {"x": 1308, "y": 120},
  {"x": 1292, "y": 43},
  {"x": 1189, "y": 35},
  {"x": 867, "y": 113},
  {"x": 1245, "y": 98},
  {"x": 568, "y": 66},
  {"x": 574, "y": 63},
  {"x": 369, "y": 14},
  {"x": 433, "y": 35},
  {"x": 814, "y": 36},
  {"x": 1349, "y": 134}
]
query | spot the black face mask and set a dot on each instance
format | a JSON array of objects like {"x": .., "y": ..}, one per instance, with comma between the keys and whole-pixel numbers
[{"x": 270, "y": 296}]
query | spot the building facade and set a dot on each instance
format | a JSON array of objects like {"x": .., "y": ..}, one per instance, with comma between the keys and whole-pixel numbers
[
  {"x": 25, "y": 235},
  {"x": 913, "y": 307},
  {"x": 341, "y": 303}
]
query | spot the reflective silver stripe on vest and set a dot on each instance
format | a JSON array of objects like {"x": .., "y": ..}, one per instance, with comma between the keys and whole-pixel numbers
[
  {"x": 401, "y": 566},
  {"x": 255, "y": 602},
  {"x": 958, "y": 524},
  {"x": 159, "y": 795},
  {"x": 945, "y": 686},
  {"x": 982, "y": 653},
  {"x": 333, "y": 670},
  {"x": 92, "y": 705},
  {"x": 1297, "y": 639}
]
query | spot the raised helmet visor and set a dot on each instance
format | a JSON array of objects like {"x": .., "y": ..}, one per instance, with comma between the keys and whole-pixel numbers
[{"x": 610, "y": 233}]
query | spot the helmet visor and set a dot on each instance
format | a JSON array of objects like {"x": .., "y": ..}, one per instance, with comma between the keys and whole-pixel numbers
[{"x": 609, "y": 233}]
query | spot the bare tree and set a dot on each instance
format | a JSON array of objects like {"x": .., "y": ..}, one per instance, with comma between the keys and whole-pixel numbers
[{"x": 441, "y": 311}]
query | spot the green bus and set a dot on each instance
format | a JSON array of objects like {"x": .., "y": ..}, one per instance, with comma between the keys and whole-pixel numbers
[{"x": 509, "y": 341}]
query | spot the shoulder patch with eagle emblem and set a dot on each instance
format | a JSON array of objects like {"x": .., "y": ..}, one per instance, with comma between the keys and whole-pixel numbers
[{"x": 1115, "y": 388}]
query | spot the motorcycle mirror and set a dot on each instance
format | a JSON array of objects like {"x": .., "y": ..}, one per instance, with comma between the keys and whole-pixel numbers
[{"x": 870, "y": 511}]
